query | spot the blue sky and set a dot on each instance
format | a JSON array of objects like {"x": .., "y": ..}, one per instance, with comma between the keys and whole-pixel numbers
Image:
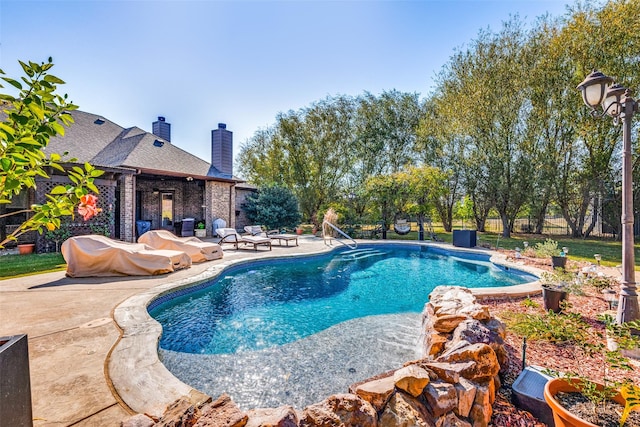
[{"x": 199, "y": 63}]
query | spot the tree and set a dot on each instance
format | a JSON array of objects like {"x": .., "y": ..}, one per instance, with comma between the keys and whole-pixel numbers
[
  {"x": 274, "y": 207},
  {"x": 389, "y": 195},
  {"x": 606, "y": 38},
  {"x": 427, "y": 186},
  {"x": 441, "y": 146},
  {"x": 30, "y": 120},
  {"x": 464, "y": 209}
]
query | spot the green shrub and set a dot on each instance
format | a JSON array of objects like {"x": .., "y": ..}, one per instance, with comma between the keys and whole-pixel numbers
[{"x": 547, "y": 248}]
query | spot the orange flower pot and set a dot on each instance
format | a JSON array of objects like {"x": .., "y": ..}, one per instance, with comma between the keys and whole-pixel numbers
[
  {"x": 26, "y": 248},
  {"x": 561, "y": 416}
]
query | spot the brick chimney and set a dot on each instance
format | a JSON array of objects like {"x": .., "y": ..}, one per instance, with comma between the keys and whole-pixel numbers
[
  {"x": 162, "y": 129},
  {"x": 222, "y": 149}
]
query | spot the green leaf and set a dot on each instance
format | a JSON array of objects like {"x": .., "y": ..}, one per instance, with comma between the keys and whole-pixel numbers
[
  {"x": 92, "y": 187},
  {"x": 53, "y": 79},
  {"x": 36, "y": 110},
  {"x": 58, "y": 128},
  {"x": 8, "y": 129},
  {"x": 5, "y": 163},
  {"x": 12, "y": 82},
  {"x": 59, "y": 189}
]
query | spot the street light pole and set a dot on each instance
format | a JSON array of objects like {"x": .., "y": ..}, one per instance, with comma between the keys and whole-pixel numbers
[
  {"x": 617, "y": 102},
  {"x": 628, "y": 305}
]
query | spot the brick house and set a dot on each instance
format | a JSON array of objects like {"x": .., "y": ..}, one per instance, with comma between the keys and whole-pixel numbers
[{"x": 146, "y": 178}]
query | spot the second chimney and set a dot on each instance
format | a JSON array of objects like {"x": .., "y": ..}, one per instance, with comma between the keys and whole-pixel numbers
[
  {"x": 222, "y": 149},
  {"x": 162, "y": 129}
]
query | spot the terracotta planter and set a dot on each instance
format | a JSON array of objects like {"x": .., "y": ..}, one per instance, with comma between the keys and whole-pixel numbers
[
  {"x": 561, "y": 416},
  {"x": 26, "y": 248},
  {"x": 298, "y": 231}
]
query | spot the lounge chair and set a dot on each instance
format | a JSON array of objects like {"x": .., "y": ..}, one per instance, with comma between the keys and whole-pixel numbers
[
  {"x": 198, "y": 250},
  {"x": 230, "y": 235},
  {"x": 254, "y": 230},
  {"x": 95, "y": 255}
]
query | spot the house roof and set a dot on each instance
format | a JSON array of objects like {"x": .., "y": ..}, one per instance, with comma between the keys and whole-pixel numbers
[{"x": 94, "y": 139}]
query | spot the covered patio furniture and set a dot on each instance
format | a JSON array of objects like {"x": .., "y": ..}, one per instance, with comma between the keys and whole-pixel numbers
[
  {"x": 96, "y": 255},
  {"x": 198, "y": 250},
  {"x": 218, "y": 223},
  {"x": 230, "y": 235}
]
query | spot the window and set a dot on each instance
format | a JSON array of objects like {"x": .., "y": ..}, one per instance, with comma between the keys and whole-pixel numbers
[{"x": 166, "y": 208}]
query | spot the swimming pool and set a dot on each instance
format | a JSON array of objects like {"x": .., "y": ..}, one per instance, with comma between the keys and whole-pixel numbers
[
  {"x": 270, "y": 303},
  {"x": 294, "y": 331}
]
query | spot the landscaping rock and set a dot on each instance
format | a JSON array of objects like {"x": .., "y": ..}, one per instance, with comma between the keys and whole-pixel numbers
[
  {"x": 404, "y": 410},
  {"x": 138, "y": 420},
  {"x": 284, "y": 416},
  {"x": 222, "y": 413},
  {"x": 447, "y": 322},
  {"x": 412, "y": 379},
  {"x": 341, "y": 410},
  {"x": 434, "y": 343},
  {"x": 376, "y": 392},
  {"x": 466, "y": 391},
  {"x": 473, "y": 331},
  {"x": 450, "y": 420},
  {"x": 485, "y": 365},
  {"x": 441, "y": 398},
  {"x": 182, "y": 413}
]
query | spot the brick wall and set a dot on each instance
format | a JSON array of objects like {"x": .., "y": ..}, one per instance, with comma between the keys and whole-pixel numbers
[
  {"x": 241, "y": 196},
  {"x": 220, "y": 201}
]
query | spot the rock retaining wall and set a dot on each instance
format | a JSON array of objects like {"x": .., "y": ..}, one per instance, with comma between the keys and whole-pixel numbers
[{"x": 454, "y": 384}]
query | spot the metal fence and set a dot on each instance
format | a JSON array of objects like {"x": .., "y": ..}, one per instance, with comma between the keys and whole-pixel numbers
[{"x": 555, "y": 226}]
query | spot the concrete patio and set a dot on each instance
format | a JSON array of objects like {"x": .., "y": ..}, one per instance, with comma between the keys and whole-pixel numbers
[{"x": 72, "y": 333}]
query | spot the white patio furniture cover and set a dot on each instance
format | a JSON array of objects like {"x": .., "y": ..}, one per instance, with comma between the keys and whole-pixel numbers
[
  {"x": 198, "y": 250},
  {"x": 95, "y": 255}
]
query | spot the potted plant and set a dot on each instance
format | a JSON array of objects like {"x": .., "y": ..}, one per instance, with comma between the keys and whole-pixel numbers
[
  {"x": 580, "y": 399},
  {"x": 200, "y": 229},
  {"x": 26, "y": 248},
  {"x": 549, "y": 248},
  {"x": 556, "y": 286}
]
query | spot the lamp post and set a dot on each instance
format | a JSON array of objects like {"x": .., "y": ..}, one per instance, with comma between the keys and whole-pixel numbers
[{"x": 617, "y": 102}]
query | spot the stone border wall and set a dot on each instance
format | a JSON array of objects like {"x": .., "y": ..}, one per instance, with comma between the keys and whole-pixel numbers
[{"x": 454, "y": 384}]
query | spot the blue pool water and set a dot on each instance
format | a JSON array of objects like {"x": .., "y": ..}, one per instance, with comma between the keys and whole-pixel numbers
[{"x": 274, "y": 302}]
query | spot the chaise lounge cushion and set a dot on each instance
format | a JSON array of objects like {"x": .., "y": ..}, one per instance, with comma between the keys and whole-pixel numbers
[
  {"x": 198, "y": 250},
  {"x": 230, "y": 235},
  {"x": 95, "y": 255}
]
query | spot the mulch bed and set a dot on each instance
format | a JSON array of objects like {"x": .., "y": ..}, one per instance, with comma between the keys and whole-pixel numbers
[{"x": 547, "y": 355}]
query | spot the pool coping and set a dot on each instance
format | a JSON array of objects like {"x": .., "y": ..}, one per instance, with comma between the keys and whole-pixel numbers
[{"x": 145, "y": 385}]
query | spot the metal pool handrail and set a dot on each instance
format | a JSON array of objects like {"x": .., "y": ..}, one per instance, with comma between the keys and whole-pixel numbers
[{"x": 326, "y": 237}]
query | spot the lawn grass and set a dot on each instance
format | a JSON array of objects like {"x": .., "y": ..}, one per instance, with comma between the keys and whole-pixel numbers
[
  {"x": 12, "y": 266},
  {"x": 579, "y": 249}
]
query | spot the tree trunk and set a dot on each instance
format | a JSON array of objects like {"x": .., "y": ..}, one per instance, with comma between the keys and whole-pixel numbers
[{"x": 506, "y": 231}]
